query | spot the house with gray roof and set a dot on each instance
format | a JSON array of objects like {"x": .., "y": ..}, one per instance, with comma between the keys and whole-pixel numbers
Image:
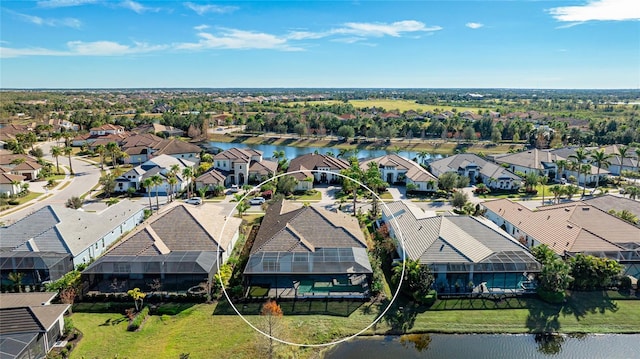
[
  {"x": 478, "y": 170},
  {"x": 160, "y": 165},
  {"x": 309, "y": 167},
  {"x": 460, "y": 250},
  {"x": 74, "y": 235},
  {"x": 570, "y": 228},
  {"x": 308, "y": 252},
  {"x": 179, "y": 249},
  {"x": 29, "y": 324},
  {"x": 397, "y": 169}
]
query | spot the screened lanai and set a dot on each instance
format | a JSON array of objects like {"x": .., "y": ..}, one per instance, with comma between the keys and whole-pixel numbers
[
  {"x": 37, "y": 267},
  {"x": 327, "y": 272}
]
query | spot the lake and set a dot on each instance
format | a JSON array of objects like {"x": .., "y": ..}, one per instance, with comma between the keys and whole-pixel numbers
[
  {"x": 481, "y": 346},
  {"x": 293, "y": 152}
]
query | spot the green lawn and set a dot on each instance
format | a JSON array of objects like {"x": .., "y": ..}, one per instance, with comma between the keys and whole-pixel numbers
[
  {"x": 204, "y": 328},
  {"x": 316, "y": 196}
]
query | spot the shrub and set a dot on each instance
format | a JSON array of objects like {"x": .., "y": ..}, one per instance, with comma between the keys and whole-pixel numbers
[
  {"x": 138, "y": 320},
  {"x": 68, "y": 326},
  {"x": 551, "y": 297},
  {"x": 13, "y": 202},
  {"x": 625, "y": 283}
]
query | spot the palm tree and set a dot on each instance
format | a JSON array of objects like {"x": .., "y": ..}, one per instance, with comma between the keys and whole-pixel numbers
[
  {"x": 600, "y": 159},
  {"x": 557, "y": 191},
  {"x": 101, "y": 150},
  {"x": 423, "y": 155},
  {"x": 156, "y": 181},
  {"x": 543, "y": 180},
  {"x": 147, "y": 184},
  {"x": 579, "y": 158},
  {"x": 67, "y": 151},
  {"x": 56, "y": 152},
  {"x": 113, "y": 149},
  {"x": 562, "y": 165},
  {"x": 172, "y": 180},
  {"x": 187, "y": 173},
  {"x": 622, "y": 152},
  {"x": 16, "y": 279}
]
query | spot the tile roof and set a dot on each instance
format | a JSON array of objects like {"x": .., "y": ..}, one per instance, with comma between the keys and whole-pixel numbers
[
  {"x": 529, "y": 159},
  {"x": 8, "y": 178},
  {"x": 11, "y": 300},
  {"x": 212, "y": 177},
  {"x": 107, "y": 127},
  {"x": 174, "y": 146},
  {"x": 569, "y": 227},
  {"x": 7, "y": 158},
  {"x": 449, "y": 239},
  {"x": 314, "y": 161},
  {"x": 27, "y": 166},
  {"x": 287, "y": 227},
  {"x": 237, "y": 154},
  {"x": 415, "y": 172},
  {"x": 461, "y": 161},
  {"x": 264, "y": 167}
]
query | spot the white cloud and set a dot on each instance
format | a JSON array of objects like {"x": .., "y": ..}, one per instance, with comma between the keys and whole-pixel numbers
[
  {"x": 395, "y": 29},
  {"x": 598, "y": 10},
  {"x": 238, "y": 39},
  {"x": 64, "y": 3},
  {"x": 349, "y": 40},
  {"x": 201, "y": 27},
  {"x": 204, "y": 9},
  {"x": 137, "y": 7},
  {"x": 64, "y": 22},
  {"x": 474, "y": 25},
  {"x": 81, "y": 48}
]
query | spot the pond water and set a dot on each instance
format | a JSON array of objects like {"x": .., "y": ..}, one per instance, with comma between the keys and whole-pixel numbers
[
  {"x": 293, "y": 152},
  {"x": 480, "y": 346}
]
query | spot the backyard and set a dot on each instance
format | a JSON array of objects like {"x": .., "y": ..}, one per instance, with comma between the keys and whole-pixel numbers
[{"x": 208, "y": 328}]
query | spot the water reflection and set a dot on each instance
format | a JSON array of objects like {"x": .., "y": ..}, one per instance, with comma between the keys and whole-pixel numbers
[{"x": 420, "y": 342}]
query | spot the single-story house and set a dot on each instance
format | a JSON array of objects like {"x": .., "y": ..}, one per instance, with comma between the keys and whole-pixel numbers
[
  {"x": 211, "y": 178},
  {"x": 30, "y": 170},
  {"x": 29, "y": 324},
  {"x": 397, "y": 169},
  {"x": 160, "y": 165},
  {"x": 330, "y": 167},
  {"x": 106, "y": 129},
  {"x": 535, "y": 160},
  {"x": 570, "y": 228},
  {"x": 308, "y": 252},
  {"x": 145, "y": 146},
  {"x": 180, "y": 249},
  {"x": 478, "y": 170},
  {"x": 463, "y": 252},
  {"x": 58, "y": 229},
  {"x": 11, "y": 184}
]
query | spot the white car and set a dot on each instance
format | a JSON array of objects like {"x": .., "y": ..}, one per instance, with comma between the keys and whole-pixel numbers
[
  {"x": 234, "y": 188},
  {"x": 257, "y": 201},
  {"x": 194, "y": 200}
]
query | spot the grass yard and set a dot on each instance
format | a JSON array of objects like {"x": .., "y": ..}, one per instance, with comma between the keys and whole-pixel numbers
[
  {"x": 389, "y": 105},
  {"x": 204, "y": 328}
]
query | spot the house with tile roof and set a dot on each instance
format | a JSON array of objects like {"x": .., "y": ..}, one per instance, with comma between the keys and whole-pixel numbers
[
  {"x": 305, "y": 166},
  {"x": 143, "y": 147},
  {"x": 397, "y": 169},
  {"x": 478, "y": 170},
  {"x": 244, "y": 165},
  {"x": 83, "y": 236},
  {"x": 160, "y": 165},
  {"x": 10, "y": 184},
  {"x": 308, "y": 252},
  {"x": 570, "y": 228},
  {"x": 29, "y": 169},
  {"x": 211, "y": 178},
  {"x": 29, "y": 324},
  {"x": 106, "y": 129},
  {"x": 181, "y": 248},
  {"x": 460, "y": 249}
]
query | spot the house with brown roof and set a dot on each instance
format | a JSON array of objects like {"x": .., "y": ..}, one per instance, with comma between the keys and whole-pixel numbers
[
  {"x": 180, "y": 249},
  {"x": 106, "y": 129},
  {"x": 29, "y": 324},
  {"x": 316, "y": 168},
  {"x": 29, "y": 169},
  {"x": 11, "y": 184},
  {"x": 478, "y": 170},
  {"x": 142, "y": 147},
  {"x": 243, "y": 165},
  {"x": 210, "y": 179},
  {"x": 396, "y": 169},
  {"x": 570, "y": 228},
  {"x": 460, "y": 250},
  {"x": 308, "y": 252}
]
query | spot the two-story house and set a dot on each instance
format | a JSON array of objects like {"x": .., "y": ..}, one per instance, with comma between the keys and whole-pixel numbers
[{"x": 396, "y": 169}]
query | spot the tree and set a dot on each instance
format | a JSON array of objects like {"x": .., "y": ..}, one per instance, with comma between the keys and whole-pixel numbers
[
  {"x": 423, "y": 155},
  {"x": 353, "y": 173},
  {"x": 147, "y": 184},
  {"x": 579, "y": 158},
  {"x": 74, "y": 202},
  {"x": 622, "y": 152},
  {"x": 187, "y": 174},
  {"x": 242, "y": 207},
  {"x": 113, "y": 150},
  {"x": 346, "y": 131},
  {"x": 108, "y": 182},
  {"x": 172, "y": 181},
  {"x": 496, "y": 135},
  {"x": 625, "y": 215},
  {"x": 555, "y": 277},
  {"x": 286, "y": 185},
  {"x": 591, "y": 272},
  {"x": 373, "y": 180},
  {"x": 56, "y": 152},
  {"x": 271, "y": 314},
  {"x": 632, "y": 191},
  {"x": 543, "y": 180},
  {"x": 156, "y": 181},
  {"x": 531, "y": 180},
  {"x": 600, "y": 159},
  {"x": 561, "y": 165},
  {"x": 16, "y": 278},
  {"x": 557, "y": 191},
  {"x": 102, "y": 151},
  {"x": 138, "y": 296},
  {"x": 459, "y": 199},
  {"x": 418, "y": 280},
  {"x": 68, "y": 151},
  {"x": 543, "y": 254},
  {"x": 447, "y": 181}
]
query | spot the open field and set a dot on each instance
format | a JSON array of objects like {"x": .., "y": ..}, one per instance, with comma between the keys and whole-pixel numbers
[
  {"x": 432, "y": 145},
  {"x": 208, "y": 328},
  {"x": 390, "y": 105}
]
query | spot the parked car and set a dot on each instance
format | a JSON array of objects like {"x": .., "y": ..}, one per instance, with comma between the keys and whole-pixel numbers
[
  {"x": 194, "y": 200},
  {"x": 257, "y": 201},
  {"x": 234, "y": 188}
]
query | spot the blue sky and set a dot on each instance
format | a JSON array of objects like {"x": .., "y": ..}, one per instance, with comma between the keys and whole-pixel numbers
[{"x": 427, "y": 44}]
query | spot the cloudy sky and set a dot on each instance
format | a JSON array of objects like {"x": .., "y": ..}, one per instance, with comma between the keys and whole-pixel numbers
[{"x": 365, "y": 43}]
